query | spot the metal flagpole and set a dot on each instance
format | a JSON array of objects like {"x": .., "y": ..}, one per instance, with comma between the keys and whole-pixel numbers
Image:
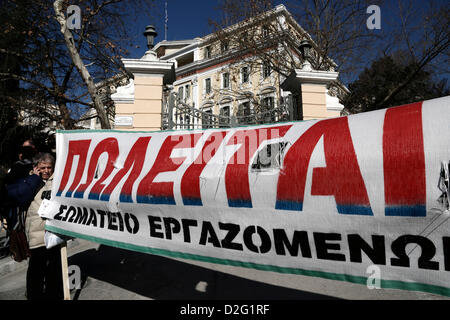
[{"x": 165, "y": 23}]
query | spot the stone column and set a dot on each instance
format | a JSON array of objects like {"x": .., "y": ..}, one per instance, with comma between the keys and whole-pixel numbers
[
  {"x": 311, "y": 86},
  {"x": 139, "y": 104}
]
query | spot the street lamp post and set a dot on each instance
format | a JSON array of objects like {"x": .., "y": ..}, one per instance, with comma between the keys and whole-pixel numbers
[
  {"x": 150, "y": 33},
  {"x": 304, "y": 48}
]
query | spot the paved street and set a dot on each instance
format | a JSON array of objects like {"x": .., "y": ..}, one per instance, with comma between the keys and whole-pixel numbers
[{"x": 109, "y": 273}]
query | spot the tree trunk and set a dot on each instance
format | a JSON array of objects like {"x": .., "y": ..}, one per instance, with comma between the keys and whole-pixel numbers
[{"x": 78, "y": 62}]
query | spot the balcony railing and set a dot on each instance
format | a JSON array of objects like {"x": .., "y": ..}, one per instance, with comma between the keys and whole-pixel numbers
[{"x": 179, "y": 115}]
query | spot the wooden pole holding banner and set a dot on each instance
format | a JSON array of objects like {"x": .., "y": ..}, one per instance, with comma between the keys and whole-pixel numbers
[{"x": 65, "y": 271}]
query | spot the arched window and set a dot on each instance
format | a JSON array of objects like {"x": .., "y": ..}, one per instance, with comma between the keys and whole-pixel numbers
[
  {"x": 267, "y": 105},
  {"x": 225, "y": 114},
  {"x": 207, "y": 111}
]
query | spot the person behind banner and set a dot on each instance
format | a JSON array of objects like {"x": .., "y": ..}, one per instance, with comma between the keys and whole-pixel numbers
[
  {"x": 19, "y": 171},
  {"x": 44, "y": 274},
  {"x": 11, "y": 209},
  {"x": 22, "y": 167}
]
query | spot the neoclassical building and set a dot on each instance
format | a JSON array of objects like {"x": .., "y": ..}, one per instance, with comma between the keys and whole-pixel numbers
[{"x": 234, "y": 76}]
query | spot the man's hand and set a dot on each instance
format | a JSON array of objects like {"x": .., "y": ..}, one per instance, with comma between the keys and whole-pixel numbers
[{"x": 37, "y": 171}]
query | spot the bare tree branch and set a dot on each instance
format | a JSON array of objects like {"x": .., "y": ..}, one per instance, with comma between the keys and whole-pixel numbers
[{"x": 98, "y": 104}]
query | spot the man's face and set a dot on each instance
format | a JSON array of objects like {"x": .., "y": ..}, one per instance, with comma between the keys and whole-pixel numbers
[
  {"x": 28, "y": 144},
  {"x": 45, "y": 170}
]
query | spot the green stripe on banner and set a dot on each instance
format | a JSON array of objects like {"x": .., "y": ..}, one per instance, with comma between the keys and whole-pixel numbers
[{"x": 386, "y": 284}]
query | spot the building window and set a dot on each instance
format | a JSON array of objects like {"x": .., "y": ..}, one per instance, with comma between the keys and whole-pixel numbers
[
  {"x": 245, "y": 36},
  {"x": 268, "y": 104},
  {"x": 207, "y": 120},
  {"x": 187, "y": 91},
  {"x": 245, "y": 74},
  {"x": 224, "y": 46},
  {"x": 208, "y": 52},
  {"x": 266, "y": 70},
  {"x": 224, "y": 119},
  {"x": 208, "y": 85},
  {"x": 244, "y": 113},
  {"x": 180, "y": 93},
  {"x": 225, "y": 80}
]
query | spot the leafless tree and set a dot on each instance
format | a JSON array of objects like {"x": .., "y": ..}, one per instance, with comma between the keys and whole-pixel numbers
[
  {"x": 255, "y": 34},
  {"x": 338, "y": 33},
  {"x": 61, "y": 66},
  {"x": 418, "y": 35},
  {"x": 252, "y": 33},
  {"x": 336, "y": 30}
]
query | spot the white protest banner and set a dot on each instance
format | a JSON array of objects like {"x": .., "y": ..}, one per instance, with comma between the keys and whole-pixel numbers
[{"x": 326, "y": 198}]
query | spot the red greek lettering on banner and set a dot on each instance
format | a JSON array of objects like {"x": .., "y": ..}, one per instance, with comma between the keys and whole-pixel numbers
[
  {"x": 341, "y": 177},
  {"x": 75, "y": 148},
  {"x": 404, "y": 161},
  {"x": 190, "y": 183},
  {"x": 162, "y": 192},
  {"x": 135, "y": 162},
  {"x": 236, "y": 174},
  {"x": 111, "y": 147}
]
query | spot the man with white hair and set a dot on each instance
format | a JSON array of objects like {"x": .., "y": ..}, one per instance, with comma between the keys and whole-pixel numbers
[{"x": 44, "y": 274}]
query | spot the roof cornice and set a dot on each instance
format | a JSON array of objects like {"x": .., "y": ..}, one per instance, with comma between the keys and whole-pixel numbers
[
  {"x": 173, "y": 43},
  {"x": 147, "y": 67},
  {"x": 242, "y": 24},
  {"x": 192, "y": 46}
]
